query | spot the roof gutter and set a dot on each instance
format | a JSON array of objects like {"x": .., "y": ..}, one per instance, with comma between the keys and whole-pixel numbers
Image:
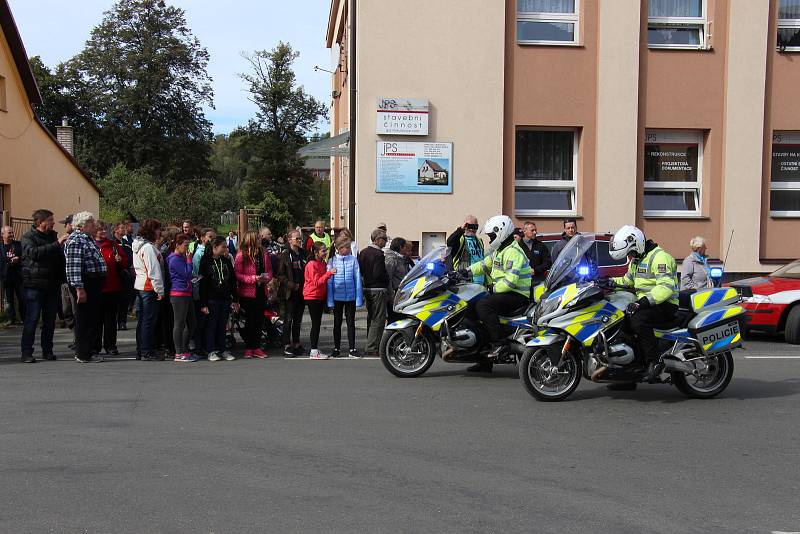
[{"x": 352, "y": 75}]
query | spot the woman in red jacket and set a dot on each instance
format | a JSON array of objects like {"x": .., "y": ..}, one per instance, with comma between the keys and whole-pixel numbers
[
  {"x": 253, "y": 273},
  {"x": 117, "y": 260},
  {"x": 314, "y": 293}
]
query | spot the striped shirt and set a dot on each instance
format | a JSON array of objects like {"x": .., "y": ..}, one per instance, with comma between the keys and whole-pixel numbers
[{"x": 83, "y": 258}]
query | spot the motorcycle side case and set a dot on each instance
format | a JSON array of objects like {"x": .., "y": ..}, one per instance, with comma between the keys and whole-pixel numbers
[
  {"x": 714, "y": 297},
  {"x": 718, "y": 329}
]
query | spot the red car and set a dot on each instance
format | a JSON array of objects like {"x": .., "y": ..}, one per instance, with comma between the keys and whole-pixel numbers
[
  {"x": 773, "y": 301},
  {"x": 607, "y": 265}
]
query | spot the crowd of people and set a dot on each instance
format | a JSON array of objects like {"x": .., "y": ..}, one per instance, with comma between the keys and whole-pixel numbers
[{"x": 184, "y": 282}]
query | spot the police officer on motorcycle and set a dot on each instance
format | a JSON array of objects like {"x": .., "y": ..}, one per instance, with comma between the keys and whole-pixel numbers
[
  {"x": 652, "y": 274},
  {"x": 506, "y": 267}
]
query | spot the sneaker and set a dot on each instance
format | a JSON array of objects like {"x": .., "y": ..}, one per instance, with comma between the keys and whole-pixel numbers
[
  {"x": 298, "y": 350},
  {"x": 258, "y": 353},
  {"x": 317, "y": 355},
  {"x": 181, "y": 358},
  {"x": 193, "y": 357},
  {"x": 354, "y": 353},
  {"x": 213, "y": 356},
  {"x": 336, "y": 353},
  {"x": 248, "y": 354},
  {"x": 228, "y": 356},
  {"x": 49, "y": 357},
  {"x": 28, "y": 358},
  {"x": 288, "y": 351},
  {"x": 92, "y": 359}
]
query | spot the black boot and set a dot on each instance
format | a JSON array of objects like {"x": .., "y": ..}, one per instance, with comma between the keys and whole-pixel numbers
[
  {"x": 483, "y": 366},
  {"x": 653, "y": 373}
]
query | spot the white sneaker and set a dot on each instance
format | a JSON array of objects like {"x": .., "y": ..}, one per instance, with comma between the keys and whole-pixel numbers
[
  {"x": 317, "y": 355},
  {"x": 228, "y": 356},
  {"x": 214, "y": 356}
]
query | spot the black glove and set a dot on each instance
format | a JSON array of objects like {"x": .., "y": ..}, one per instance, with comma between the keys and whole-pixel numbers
[
  {"x": 466, "y": 274},
  {"x": 632, "y": 308},
  {"x": 643, "y": 302},
  {"x": 606, "y": 283}
]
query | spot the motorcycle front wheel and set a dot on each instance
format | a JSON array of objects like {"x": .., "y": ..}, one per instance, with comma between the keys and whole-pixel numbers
[
  {"x": 710, "y": 382},
  {"x": 547, "y": 381},
  {"x": 405, "y": 361}
]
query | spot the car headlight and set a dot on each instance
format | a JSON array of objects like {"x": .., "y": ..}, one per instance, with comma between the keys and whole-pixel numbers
[{"x": 758, "y": 299}]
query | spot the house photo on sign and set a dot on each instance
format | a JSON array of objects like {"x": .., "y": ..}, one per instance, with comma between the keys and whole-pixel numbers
[
  {"x": 414, "y": 167},
  {"x": 402, "y": 116}
]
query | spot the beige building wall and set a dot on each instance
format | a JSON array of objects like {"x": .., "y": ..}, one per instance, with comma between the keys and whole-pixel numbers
[
  {"x": 454, "y": 57},
  {"x": 34, "y": 172},
  {"x": 744, "y": 131},
  {"x": 617, "y": 114}
]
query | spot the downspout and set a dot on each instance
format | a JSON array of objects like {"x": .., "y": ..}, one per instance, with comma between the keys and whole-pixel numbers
[{"x": 352, "y": 75}]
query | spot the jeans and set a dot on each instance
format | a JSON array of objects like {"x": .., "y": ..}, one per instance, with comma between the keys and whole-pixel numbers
[
  {"x": 88, "y": 317},
  {"x": 147, "y": 313},
  {"x": 216, "y": 322},
  {"x": 348, "y": 308},
  {"x": 294, "y": 318},
  {"x": 376, "y": 317},
  {"x": 12, "y": 290},
  {"x": 44, "y": 303}
]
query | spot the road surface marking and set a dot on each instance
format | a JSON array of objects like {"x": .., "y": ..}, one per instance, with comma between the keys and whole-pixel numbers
[{"x": 773, "y": 358}]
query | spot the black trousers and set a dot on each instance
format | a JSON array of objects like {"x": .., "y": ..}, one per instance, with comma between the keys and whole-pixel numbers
[
  {"x": 315, "y": 309},
  {"x": 348, "y": 309},
  {"x": 87, "y": 317},
  {"x": 645, "y": 320},
  {"x": 490, "y": 308},
  {"x": 295, "y": 306},
  {"x": 253, "y": 309},
  {"x": 165, "y": 325},
  {"x": 106, "y": 337}
]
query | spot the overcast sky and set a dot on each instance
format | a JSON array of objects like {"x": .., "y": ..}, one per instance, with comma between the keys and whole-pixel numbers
[{"x": 57, "y": 29}]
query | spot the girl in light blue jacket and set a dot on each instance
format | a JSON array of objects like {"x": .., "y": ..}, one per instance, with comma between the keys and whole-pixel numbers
[{"x": 344, "y": 295}]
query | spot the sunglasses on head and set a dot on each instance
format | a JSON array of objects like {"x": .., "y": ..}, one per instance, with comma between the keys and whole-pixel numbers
[{"x": 471, "y": 226}]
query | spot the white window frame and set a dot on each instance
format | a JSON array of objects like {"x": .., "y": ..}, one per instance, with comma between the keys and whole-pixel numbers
[
  {"x": 543, "y": 185},
  {"x": 535, "y": 16},
  {"x": 683, "y": 22},
  {"x": 788, "y": 23},
  {"x": 784, "y": 138},
  {"x": 677, "y": 136}
]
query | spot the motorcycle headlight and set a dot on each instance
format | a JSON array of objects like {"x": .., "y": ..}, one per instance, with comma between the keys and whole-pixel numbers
[{"x": 402, "y": 295}]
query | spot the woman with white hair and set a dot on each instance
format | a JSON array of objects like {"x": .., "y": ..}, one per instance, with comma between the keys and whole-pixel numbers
[{"x": 694, "y": 271}]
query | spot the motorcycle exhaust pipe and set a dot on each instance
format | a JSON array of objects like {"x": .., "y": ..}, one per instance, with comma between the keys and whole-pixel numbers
[{"x": 677, "y": 365}]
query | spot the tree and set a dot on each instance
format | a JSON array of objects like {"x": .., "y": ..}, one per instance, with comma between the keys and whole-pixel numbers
[
  {"x": 142, "y": 76},
  {"x": 286, "y": 114}
]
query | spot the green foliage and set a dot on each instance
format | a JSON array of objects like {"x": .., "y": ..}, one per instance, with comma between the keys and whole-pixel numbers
[
  {"x": 268, "y": 145},
  {"x": 142, "y": 78},
  {"x": 277, "y": 213}
]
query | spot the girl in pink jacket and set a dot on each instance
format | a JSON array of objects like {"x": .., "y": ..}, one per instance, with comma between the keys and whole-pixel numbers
[{"x": 253, "y": 273}]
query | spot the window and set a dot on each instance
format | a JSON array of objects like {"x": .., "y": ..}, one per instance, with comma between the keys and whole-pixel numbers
[
  {"x": 676, "y": 24},
  {"x": 553, "y": 22},
  {"x": 545, "y": 166},
  {"x": 784, "y": 187},
  {"x": 3, "y": 94},
  {"x": 789, "y": 25},
  {"x": 673, "y": 162}
]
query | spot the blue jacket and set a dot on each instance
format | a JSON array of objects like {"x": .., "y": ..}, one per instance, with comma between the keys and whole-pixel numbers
[{"x": 345, "y": 285}]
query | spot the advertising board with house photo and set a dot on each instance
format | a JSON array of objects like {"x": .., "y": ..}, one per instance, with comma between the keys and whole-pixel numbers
[{"x": 414, "y": 167}]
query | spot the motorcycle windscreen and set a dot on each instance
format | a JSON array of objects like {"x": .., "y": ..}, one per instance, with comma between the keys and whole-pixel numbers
[
  {"x": 432, "y": 261},
  {"x": 576, "y": 252}
]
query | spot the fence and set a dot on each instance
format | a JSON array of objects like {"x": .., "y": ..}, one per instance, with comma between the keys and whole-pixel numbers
[{"x": 20, "y": 226}]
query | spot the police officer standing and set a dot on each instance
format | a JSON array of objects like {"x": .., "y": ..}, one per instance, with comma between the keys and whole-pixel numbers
[
  {"x": 505, "y": 267},
  {"x": 652, "y": 274}
]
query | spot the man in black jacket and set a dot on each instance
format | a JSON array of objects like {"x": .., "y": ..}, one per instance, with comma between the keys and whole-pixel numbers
[
  {"x": 537, "y": 252},
  {"x": 372, "y": 263},
  {"x": 570, "y": 231},
  {"x": 43, "y": 271},
  {"x": 11, "y": 275}
]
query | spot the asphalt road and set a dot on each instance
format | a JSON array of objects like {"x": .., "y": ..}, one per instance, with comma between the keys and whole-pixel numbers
[{"x": 343, "y": 446}]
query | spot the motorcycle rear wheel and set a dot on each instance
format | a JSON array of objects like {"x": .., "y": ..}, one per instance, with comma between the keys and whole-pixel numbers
[
  {"x": 545, "y": 381},
  {"x": 400, "y": 360},
  {"x": 708, "y": 386}
]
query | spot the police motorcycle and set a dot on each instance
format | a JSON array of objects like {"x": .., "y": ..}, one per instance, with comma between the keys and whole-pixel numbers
[
  {"x": 579, "y": 320},
  {"x": 440, "y": 321}
]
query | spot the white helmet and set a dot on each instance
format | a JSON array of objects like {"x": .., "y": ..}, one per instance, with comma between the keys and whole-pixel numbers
[
  {"x": 498, "y": 229},
  {"x": 626, "y": 240}
]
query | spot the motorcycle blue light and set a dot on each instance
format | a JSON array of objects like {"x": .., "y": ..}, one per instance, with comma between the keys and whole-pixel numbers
[
  {"x": 583, "y": 270},
  {"x": 715, "y": 272},
  {"x": 430, "y": 266}
]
